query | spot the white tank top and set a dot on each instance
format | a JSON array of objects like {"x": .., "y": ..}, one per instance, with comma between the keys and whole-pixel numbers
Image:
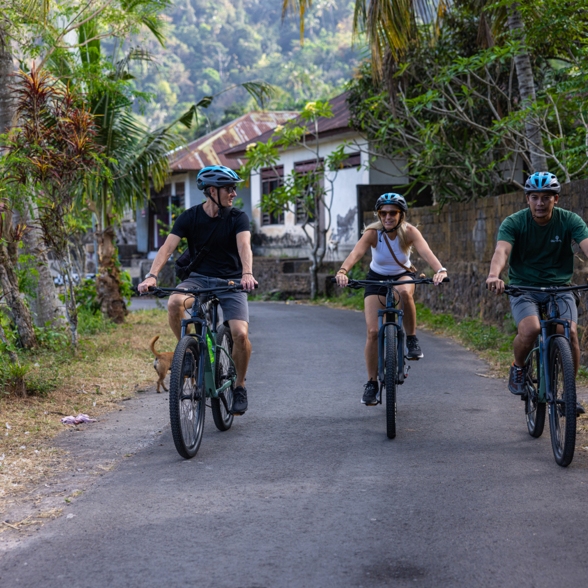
[{"x": 382, "y": 261}]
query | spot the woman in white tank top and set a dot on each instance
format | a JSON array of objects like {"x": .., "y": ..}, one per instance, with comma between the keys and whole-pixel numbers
[{"x": 391, "y": 239}]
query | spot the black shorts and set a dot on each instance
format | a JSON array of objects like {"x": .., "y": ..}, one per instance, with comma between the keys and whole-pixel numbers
[{"x": 382, "y": 290}]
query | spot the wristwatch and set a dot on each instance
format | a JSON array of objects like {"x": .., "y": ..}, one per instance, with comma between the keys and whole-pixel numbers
[
  {"x": 150, "y": 275},
  {"x": 441, "y": 270}
]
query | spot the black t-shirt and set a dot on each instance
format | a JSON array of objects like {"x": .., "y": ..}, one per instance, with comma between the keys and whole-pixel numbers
[{"x": 222, "y": 261}]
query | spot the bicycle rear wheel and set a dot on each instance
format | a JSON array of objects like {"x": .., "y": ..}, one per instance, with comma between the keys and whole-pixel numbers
[
  {"x": 390, "y": 379},
  {"x": 187, "y": 402},
  {"x": 562, "y": 413},
  {"x": 225, "y": 370},
  {"x": 534, "y": 410}
]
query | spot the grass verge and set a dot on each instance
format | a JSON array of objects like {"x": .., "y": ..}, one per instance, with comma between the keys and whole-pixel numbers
[{"x": 112, "y": 363}]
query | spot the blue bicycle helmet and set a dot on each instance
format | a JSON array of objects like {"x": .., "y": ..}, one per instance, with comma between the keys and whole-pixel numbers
[
  {"x": 391, "y": 198},
  {"x": 217, "y": 176},
  {"x": 542, "y": 182}
]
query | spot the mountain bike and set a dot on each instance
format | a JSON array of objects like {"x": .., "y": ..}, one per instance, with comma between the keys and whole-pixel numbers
[
  {"x": 551, "y": 377},
  {"x": 392, "y": 369},
  {"x": 202, "y": 367}
]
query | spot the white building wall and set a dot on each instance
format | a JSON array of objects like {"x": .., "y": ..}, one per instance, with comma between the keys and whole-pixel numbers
[{"x": 289, "y": 239}]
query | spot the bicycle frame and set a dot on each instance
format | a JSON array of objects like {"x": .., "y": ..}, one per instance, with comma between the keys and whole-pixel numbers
[
  {"x": 396, "y": 322},
  {"x": 383, "y": 322},
  {"x": 548, "y": 332},
  {"x": 204, "y": 335}
]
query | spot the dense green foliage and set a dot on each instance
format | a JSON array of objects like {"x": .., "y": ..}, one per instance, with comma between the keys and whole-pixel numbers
[
  {"x": 453, "y": 110},
  {"x": 213, "y": 44}
]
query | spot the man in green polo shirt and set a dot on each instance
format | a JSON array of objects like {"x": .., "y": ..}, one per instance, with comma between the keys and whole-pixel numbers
[{"x": 537, "y": 243}]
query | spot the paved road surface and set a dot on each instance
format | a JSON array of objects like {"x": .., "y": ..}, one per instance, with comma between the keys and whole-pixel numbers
[{"x": 307, "y": 491}]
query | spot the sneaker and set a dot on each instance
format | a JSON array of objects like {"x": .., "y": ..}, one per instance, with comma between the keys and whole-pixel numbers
[
  {"x": 370, "y": 395},
  {"x": 188, "y": 365},
  {"x": 516, "y": 380},
  {"x": 579, "y": 409},
  {"x": 414, "y": 350},
  {"x": 239, "y": 400}
]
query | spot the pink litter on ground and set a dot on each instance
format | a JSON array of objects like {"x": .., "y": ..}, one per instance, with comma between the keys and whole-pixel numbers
[{"x": 81, "y": 418}]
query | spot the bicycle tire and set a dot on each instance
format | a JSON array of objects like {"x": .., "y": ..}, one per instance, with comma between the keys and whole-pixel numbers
[
  {"x": 187, "y": 404},
  {"x": 390, "y": 379},
  {"x": 562, "y": 413},
  {"x": 223, "y": 370},
  {"x": 534, "y": 410}
]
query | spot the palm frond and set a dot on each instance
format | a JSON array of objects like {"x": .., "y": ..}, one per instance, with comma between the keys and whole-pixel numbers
[{"x": 298, "y": 7}]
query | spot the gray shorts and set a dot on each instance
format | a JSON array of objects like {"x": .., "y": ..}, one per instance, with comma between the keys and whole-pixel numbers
[
  {"x": 527, "y": 304},
  {"x": 233, "y": 304}
]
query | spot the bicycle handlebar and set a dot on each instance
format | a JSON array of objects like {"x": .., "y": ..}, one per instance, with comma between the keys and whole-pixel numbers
[
  {"x": 518, "y": 290},
  {"x": 356, "y": 284},
  {"x": 162, "y": 292}
]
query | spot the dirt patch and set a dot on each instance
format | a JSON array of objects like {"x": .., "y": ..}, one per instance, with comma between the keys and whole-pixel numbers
[{"x": 111, "y": 369}]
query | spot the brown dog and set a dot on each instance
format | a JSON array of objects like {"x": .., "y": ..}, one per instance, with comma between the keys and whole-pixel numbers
[{"x": 162, "y": 363}]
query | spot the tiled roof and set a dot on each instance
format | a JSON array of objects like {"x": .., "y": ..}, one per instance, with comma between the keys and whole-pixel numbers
[
  {"x": 208, "y": 150},
  {"x": 339, "y": 123}
]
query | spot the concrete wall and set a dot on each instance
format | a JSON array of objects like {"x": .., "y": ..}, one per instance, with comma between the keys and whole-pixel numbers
[
  {"x": 463, "y": 237},
  {"x": 288, "y": 239}
]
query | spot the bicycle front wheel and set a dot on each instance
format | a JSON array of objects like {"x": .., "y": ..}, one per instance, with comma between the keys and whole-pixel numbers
[
  {"x": 534, "y": 410},
  {"x": 187, "y": 401},
  {"x": 390, "y": 380},
  {"x": 225, "y": 370},
  {"x": 562, "y": 412}
]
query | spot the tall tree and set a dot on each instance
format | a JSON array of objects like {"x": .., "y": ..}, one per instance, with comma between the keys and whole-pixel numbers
[
  {"x": 391, "y": 25},
  {"x": 526, "y": 83}
]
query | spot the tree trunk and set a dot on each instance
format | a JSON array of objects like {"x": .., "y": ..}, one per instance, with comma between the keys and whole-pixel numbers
[
  {"x": 6, "y": 97},
  {"x": 18, "y": 382},
  {"x": 526, "y": 83},
  {"x": 46, "y": 307},
  {"x": 19, "y": 310},
  {"x": 108, "y": 280},
  {"x": 71, "y": 309}
]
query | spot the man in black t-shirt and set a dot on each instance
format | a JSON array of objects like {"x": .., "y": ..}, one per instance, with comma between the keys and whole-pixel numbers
[{"x": 229, "y": 258}]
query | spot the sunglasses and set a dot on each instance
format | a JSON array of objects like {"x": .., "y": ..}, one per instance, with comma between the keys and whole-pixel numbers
[
  {"x": 230, "y": 189},
  {"x": 391, "y": 213}
]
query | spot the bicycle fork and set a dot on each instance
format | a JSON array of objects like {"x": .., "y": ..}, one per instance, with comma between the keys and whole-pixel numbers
[{"x": 382, "y": 323}]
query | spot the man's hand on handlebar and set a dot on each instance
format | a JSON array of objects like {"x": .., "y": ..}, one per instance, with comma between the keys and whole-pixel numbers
[
  {"x": 145, "y": 284},
  {"x": 495, "y": 284},
  {"x": 342, "y": 279},
  {"x": 248, "y": 282}
]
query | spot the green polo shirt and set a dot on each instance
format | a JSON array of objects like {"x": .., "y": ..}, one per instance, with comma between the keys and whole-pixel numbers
[{"x": 542, "y": 255}]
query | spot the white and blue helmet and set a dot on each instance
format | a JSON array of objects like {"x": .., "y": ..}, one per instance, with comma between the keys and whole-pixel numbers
[
  {"x": 542, "y": 182},
  {"x": 391, "y": 198},
  {"x": 217, "y": 176}
]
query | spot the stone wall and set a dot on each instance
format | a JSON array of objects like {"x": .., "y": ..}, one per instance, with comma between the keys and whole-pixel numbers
[
  {"x": 463, "y": 237},
  {"x": 290, "y": 276}
]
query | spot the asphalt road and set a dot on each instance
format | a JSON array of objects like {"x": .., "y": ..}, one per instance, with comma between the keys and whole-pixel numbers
[{"x": 306, "y": 490}]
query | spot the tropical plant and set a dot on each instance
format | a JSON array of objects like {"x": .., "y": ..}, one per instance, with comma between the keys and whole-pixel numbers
[
  {"x": 392, "y": 26},
  {"x": 309, "y": 193},
  {"x": 457, "y": 117},
  {"x": 54, "y": 153}
]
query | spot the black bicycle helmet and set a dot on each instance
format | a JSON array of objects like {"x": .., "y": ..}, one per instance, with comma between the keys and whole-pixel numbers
[
  {"x": 542, "y": 182},
  {"x": 391, "y": 198},
  {"x": 217, "y": 176}
]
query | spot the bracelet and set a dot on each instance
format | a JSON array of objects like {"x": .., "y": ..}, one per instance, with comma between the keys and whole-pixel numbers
[
  {"x": 441, "y": 270},
  {"x": 342, "y": 271},
  {"x": 247, "y": 274}
]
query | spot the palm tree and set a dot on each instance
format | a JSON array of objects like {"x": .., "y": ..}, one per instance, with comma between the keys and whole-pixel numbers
[
  {"x": 135, "y": 156},
  {"x": 391, "y": 25}
]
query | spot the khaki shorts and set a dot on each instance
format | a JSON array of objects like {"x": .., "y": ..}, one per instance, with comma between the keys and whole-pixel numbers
[
  {"x": 234, "y": 304},
  {"x": 527, "y": 304}
]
